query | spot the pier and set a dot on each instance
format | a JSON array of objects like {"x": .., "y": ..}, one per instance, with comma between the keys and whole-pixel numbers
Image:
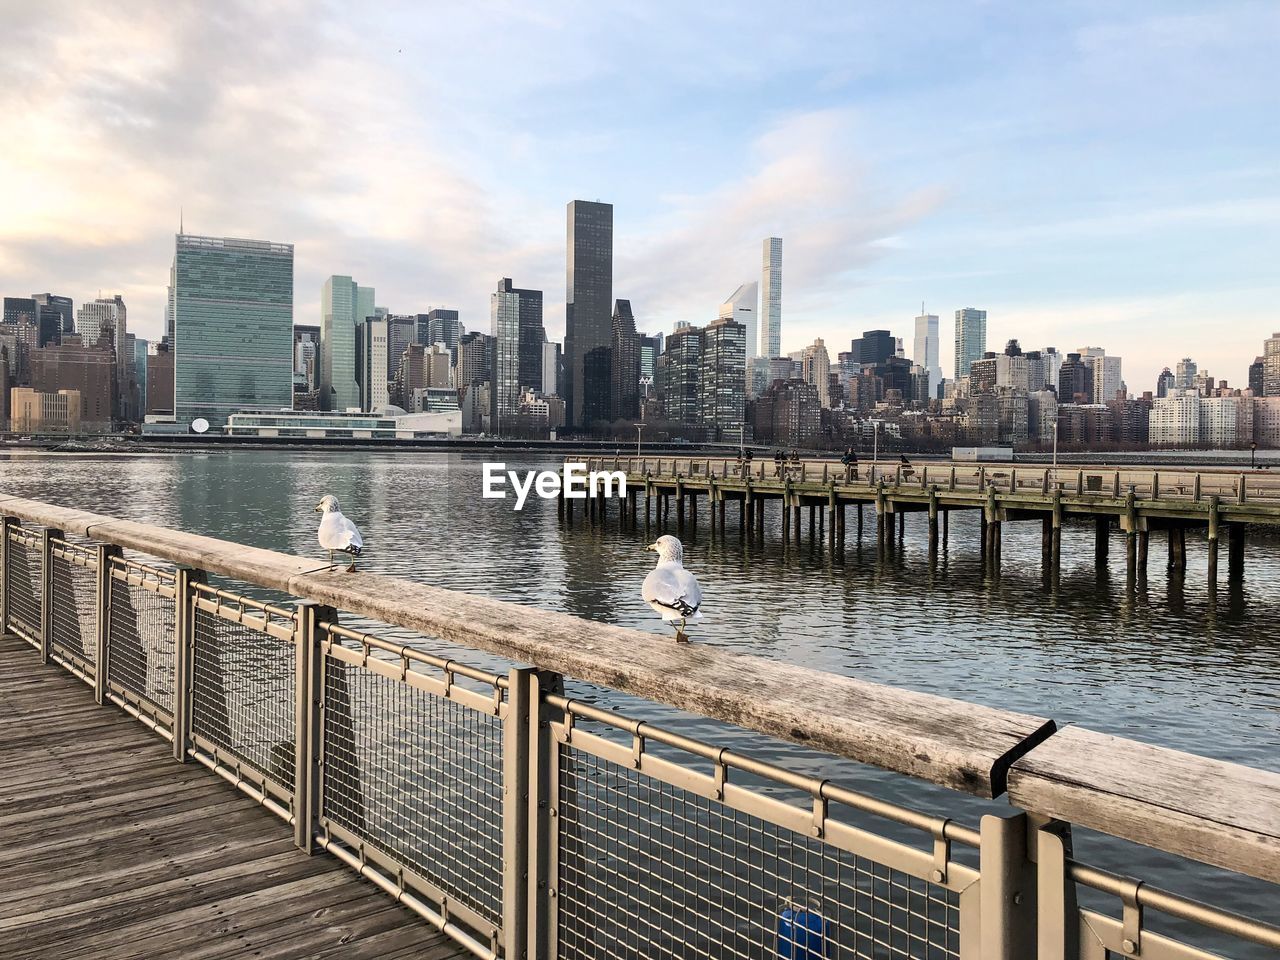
[
  {"x": 212, "y": 749},
  {"x": 1138, "y": 501}
]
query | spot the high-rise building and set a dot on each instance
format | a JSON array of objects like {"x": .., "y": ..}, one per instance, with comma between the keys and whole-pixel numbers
[
  {"x": 88, "y": 370},
  {"x": 723, "y": 390},
  {"x": 233, "y": 320},
  {"x": 411, "y": 376},
  {"x": 650, "y": 350},
  {"x": 402, "y": 330},
  {"x": 680, "y": 375},
  {"x": 518, "y": 335},
  {"x": 788, "y": 413},
  {"x": 371, "y": 363},
  {"x": 971, "y": 338},
  {"x": 140, "y": 348},
  {"x": 926, "y": 347},
  {"x": 741, "y": 306},
  {"x": 874, "y": 346},
  {"x": 551, "y": 362},
  {"x": 1075, "y": 380},
  {"x": 440, "y": 325},
  {"x": 1175, "y": 420},
  {"x": 20, "y": 310},
  {"x": 588, "y": 333},
  {"x": 1271, "y": 366},
  {"x": 625, "y": 364},
  {"x": 64, "y": 306},
  {"x": 159, "y": 380},
  {"x": 344, "y": 305},
  {"x": 1107, "y": 379},
  {"x": 104, "y": 316},
  {"x": 815, "y": 368},
  {"x": 1257, "y": 376},
  {"x": 475, "y": 356},
  {"x": 1185, "y": 377},
  {"x": 1165, "y": 383},
  {"x": 771, "y": 298}
]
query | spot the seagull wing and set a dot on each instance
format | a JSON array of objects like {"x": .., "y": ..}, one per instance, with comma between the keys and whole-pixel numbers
[
  {"x": 338, "y": 533},
  {"x": 352, "y": 534},
  {"x": 673, "y": 592}
]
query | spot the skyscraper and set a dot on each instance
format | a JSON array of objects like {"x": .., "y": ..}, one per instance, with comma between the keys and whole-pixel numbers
[
  {"x": 515, "y": 315},
  {"x": 873, "y": 347},
  {"x": 815, "y": 368},
  {"x": 1271, "y": 366},
  {"x": 771, "y": 298},
  {"x": 402, "y": 330},
  {"x": 344, "y": 304},
  {"x": 1165, "y": 383},
  {"x": 1107, "y": 378},
  {"x": 440, "y": 325},
  {"x": 1185, "y": 377},
  {"x": 475, "y": 355},
  {"x": 722, "y": 392},
  {"x": 588, "y": 333},
  {"x": 63, "y": 305},
  {"x": 741, "y": 306},
  {"x": 971, "y": 338},
  {"x": 371, "y": 362},
  {"x": 233, "y": 324},
  {"x": 926, "y": 348},
  {"x": 625, "y": 365},
  {"x": 108, "y": 316}
]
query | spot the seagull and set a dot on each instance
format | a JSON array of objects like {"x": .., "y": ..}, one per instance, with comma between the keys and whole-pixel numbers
[
  {"x": 670, "y": 589},
  {"x": 337, "y": 533}
]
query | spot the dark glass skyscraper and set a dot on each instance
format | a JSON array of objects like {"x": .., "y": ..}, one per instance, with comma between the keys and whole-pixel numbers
[
  {"x": 625, "y": 368},
  {"x": 588, "y": 310}
]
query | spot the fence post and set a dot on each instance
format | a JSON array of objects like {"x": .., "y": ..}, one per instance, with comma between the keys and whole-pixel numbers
[
  {"x": 543, "y": 821},
  {"x": 107, "y": 553},
  {"x": 183, "y": 655},
  {"x": 308, "y": 720},
  {"x": 516, "y": 737},
  {"x": 1008, "y": 890},
  {"x": 1057, "y": 915},
  {"x": 6, "y": 524},
  {"x": 46, "y": 591}
]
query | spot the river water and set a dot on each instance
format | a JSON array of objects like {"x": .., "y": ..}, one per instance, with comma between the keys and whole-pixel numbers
[{"x": 1168, "y": 662}]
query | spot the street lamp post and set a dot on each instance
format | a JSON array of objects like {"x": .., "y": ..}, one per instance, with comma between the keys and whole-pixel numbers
[
  {"x": 639, "y": 427},
  {"x": 1055, "y": 445},
  {"x": 1253, "y": 455}
]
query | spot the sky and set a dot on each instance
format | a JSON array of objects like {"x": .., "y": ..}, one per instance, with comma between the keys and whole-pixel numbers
[{"x": 1092, "y": 174}]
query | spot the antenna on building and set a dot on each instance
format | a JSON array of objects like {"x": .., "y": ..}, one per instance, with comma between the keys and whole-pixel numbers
[{"x": 181, "y": 231}]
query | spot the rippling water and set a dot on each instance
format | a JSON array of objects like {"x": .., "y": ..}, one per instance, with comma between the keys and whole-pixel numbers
[{"x": 1168, "y": 662}]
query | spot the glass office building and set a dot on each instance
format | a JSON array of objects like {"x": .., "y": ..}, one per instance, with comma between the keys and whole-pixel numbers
[{"x": 233, "y": 324}]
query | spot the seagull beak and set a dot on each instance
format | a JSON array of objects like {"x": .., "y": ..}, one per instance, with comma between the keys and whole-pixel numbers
[
  {"x": 652, "y": 546},
  {"x": 319, "y": 509}
]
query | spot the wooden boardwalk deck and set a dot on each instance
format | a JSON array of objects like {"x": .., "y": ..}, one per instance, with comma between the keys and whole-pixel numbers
[{"x": 108, "y": 848}]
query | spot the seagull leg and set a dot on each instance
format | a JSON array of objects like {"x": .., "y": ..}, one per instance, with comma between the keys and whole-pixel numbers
[
  {"x": 681, "y": 636},
  {"x": 351, "y": 568}
]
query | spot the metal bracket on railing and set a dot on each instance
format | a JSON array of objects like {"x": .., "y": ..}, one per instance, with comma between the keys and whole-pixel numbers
[
  {"x": 1131, "y": 919},
  {"x": 568, "y": 722},
  {"x": 941, "y": 853},
  {"x": 820, "y": 809},
  {"x": 721, "y": 775},
  {"x": 637, "y": 744}
]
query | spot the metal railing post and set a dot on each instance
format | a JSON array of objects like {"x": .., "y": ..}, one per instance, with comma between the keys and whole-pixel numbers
[
  {"x": 183, "y": 655},
  {"x": 106, "y": 554},
  {"x": 46, "y": 591},
  {"x": 308, "y": 720},
  {"x": 1057, "y": 914},
  {"x": 1008, "y": 890},
  {"x": 6, "y": 524},
  {"x": 516, "y": 777},
  {"x": 543, "y": 848}
]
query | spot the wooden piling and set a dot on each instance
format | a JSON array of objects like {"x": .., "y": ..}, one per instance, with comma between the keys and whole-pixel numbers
[
  {"x": 1101, "y": 538},
  {"x": 1235, "y": 552},
  {"x": 1213, "y": 541}
]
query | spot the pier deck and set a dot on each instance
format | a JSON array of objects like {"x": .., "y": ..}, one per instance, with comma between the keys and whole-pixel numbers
[{"x": 110, "y": 849}]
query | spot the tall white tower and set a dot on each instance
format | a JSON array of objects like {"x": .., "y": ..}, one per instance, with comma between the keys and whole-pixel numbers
[
  {"x": 771, "y": 298},
  {"x": 741, "y": 306},
  {"x": 926, "y": 347}
]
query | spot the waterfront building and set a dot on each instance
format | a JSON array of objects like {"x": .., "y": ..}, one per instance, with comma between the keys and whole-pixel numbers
[
  {"x": 588, "y": 334},
  {"x": 1165, "y": 383},
  {"x": 372, "y": 362},
  {"x": 233, "y": 324},
  {"x": 1266, "y": 421},
  {"x": 1131, "y": 419},
  {"x": 1175, "y": 419},
  {"x": 971, "y": 338},
  {"x": 815, "y": 368},
  {"x": 741, "y": 306},
  {"x": 388, "y": 424},
  {"x": 1271, "y": 366},
  {"x": 1226, "y": 422},
  {"x": 160, "y": 381},
  {"x": 680, "y": 375},
  {"x": 434, "y": 400},
  {"x": 926, "y": 348},
  {"x": 1085, "y": 424},
  {"x": 625, "y": 364},
  {"x": 64, "y": 308},
  {"x": 34, "y": 412},
  {"x": 516, "y": 318},
  {"x": 723, "y": 390},
  {"x": 771, "y": 298},
  {"x": 344, "y": 305},
  {"x": 90, "y": 371}
]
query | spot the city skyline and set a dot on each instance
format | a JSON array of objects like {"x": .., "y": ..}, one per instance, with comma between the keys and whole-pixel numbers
[{"x": 1051, "y": 182}]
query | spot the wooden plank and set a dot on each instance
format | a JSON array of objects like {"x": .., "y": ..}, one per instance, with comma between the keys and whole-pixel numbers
[{"x": 1219, "y": 813}]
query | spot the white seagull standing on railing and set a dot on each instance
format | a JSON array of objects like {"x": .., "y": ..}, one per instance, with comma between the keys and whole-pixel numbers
[
  {"x": 670, "y": 589},
  {"x": 337, "y": 534}
]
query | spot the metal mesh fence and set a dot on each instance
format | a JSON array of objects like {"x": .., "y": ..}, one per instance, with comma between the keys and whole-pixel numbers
[
  {"x": 140, "y": 643},
  {"x": 242, "y": 695},
  {"x": 22, "y": 581},
  {"x": 75, "y": 609},
  {"x": 650, "y": 870},
  {"x": 420, "y": 778}
]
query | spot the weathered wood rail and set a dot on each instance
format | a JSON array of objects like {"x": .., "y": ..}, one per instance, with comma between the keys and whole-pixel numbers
[
  {"x": 1136, "y": 500},
  {"x": 487, "y": 802}
]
